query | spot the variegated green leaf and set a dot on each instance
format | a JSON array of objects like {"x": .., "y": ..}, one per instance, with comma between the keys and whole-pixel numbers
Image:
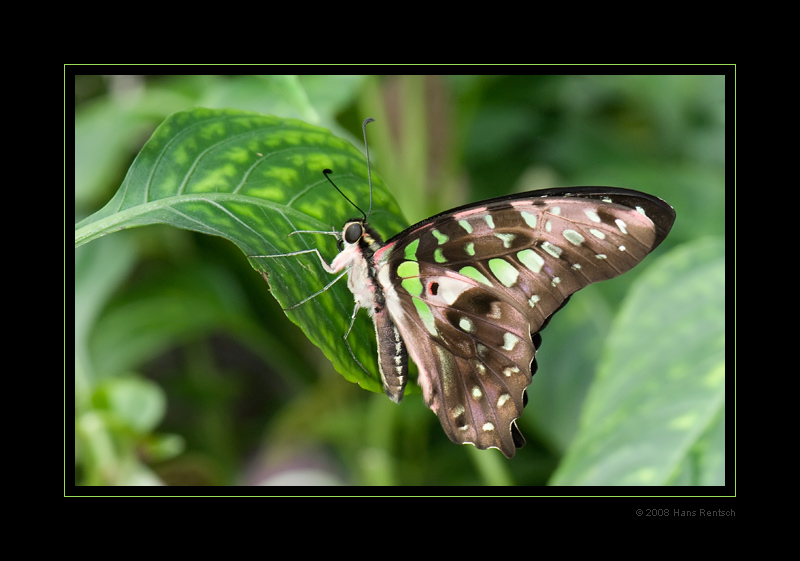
[{"x": 254, "y": 179}]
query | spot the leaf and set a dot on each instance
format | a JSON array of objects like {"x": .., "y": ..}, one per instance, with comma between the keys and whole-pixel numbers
[
  {"x": 655, "y": 414},
  {"x": 255, "y": 179}
]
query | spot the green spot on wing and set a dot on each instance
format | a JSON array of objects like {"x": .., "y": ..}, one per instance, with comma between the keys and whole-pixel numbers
[
  {"x": 504, "y": 271},
  {"x": 506, "y": 239},
  {"x": 426, "y": 316},
  {"x": 573, "y": 237},
  {"x": 475, "y": 274},
  {"x": 531, "y": 260},
  {"x": 408, "y": 269},
  {"x": 530, "y": 219},
  {"x": 441, "y": 238},
  {"x": 413, "y": 286},
  {"x": 411, "y": 250}
]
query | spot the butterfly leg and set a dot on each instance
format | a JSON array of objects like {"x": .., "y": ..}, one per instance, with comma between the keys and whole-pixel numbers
[
  {"x": 317, "y": 293},
  {"x": 346, "y": 342},
  {"x": 325, "y": 266}
]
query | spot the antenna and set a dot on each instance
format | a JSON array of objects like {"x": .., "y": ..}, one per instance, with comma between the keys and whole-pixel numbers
[
  {"x": 369, "y": 171},
  {"x": 326, "y": 172}
]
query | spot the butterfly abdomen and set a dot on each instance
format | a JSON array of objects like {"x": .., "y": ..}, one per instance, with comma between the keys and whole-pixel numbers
[{"x": 392, "y": 355}]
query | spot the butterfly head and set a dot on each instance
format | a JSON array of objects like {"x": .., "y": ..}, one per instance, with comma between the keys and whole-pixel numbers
[{"x": 357, "y": 234}]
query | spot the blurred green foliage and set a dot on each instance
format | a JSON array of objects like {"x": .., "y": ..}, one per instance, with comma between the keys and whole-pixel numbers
[{"x": 188, "y": 372}]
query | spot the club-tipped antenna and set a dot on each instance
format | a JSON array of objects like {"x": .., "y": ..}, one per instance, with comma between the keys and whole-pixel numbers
[
  {"x": 369, "y": 171},
  {"x": 325, "y": 172}
]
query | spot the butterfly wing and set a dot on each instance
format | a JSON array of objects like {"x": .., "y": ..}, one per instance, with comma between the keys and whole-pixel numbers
[{"x": 470, "y": 289}]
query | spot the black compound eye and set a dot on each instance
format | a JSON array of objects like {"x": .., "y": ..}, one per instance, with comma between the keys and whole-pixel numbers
[
  {"x": 339, "y": 244},
  {"x": 353, "y": 233}
]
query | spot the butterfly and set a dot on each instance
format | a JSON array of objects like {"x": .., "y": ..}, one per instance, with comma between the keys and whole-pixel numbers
[{"x": 466, "y": 292}]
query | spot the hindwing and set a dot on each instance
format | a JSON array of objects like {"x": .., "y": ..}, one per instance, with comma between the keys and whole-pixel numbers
[{"x": 469, "y": 290}]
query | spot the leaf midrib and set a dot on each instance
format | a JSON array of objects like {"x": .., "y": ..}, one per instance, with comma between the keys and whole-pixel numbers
[{"x": 105, "y": 225}]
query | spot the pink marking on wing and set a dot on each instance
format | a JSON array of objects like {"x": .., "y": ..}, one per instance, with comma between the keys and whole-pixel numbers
[
  {"x": 470, "y": 212},
  {"x": 423, "y": 227},
  {"x": 379, "y": 254}
]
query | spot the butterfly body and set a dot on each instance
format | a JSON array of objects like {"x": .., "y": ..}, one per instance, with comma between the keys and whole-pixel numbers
[
  {"x": 467, "y": 291},
  {"x": 360, "y": 244}
]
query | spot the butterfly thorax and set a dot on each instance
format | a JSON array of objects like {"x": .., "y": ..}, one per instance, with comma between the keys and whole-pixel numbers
[{"x": 358, "y": 243}]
